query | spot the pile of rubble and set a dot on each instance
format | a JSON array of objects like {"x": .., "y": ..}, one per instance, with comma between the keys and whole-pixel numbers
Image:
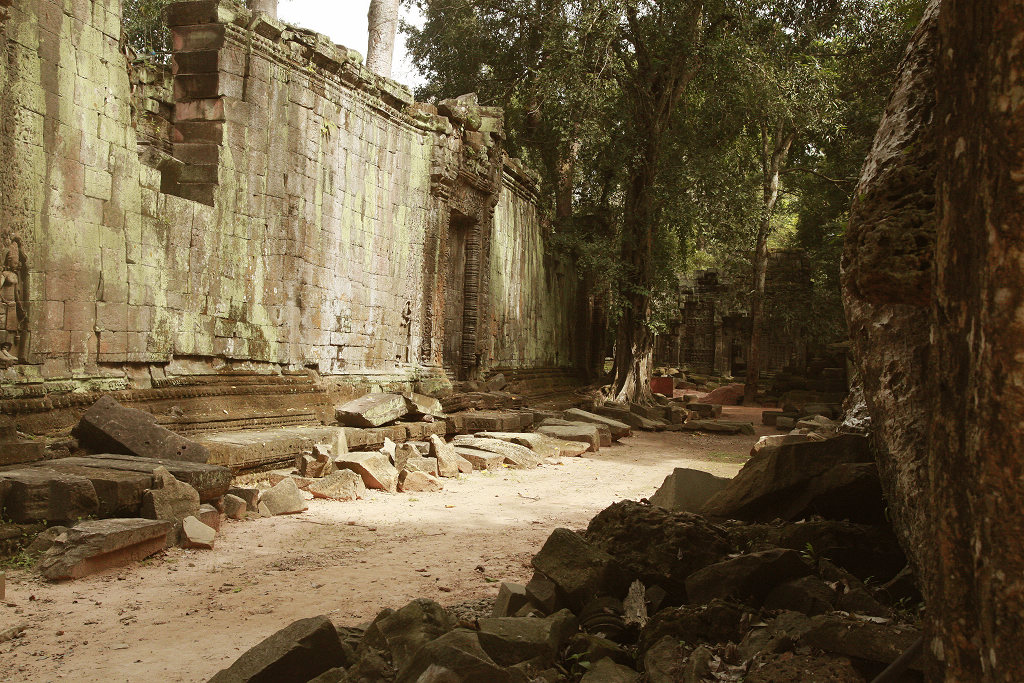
[{"x": 769, "y": 583}]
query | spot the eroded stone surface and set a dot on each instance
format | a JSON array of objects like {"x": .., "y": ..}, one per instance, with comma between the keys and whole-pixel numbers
[{"x": 95, "y": 545}]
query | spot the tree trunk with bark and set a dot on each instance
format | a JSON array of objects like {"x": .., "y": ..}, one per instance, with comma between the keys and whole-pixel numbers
[
  {"x": 933, "y": 278},
  {"x": 268, "y": 7},
  {"x": 383, "y": 25},
  {"x": 775, "y": 145}
]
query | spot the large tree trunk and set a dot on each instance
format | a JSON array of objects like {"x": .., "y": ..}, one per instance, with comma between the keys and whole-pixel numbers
[
  {"x": 775, "y": 145},
  {"x": 268, "y": 7},
  {"x": 934, "y": 287},
  {"x": 976, "y": 469},
  {"x": 383, "y": 25}
]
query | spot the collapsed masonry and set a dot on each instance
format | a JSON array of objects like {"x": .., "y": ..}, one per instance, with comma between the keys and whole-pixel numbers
[{"x": 263, "y": 230}]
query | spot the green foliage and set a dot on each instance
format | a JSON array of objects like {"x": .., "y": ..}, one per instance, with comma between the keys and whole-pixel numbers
[{"x": 144, "y": 27}]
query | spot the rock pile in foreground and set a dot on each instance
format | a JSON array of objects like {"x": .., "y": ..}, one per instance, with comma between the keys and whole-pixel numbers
[{"x": 645, "y": 593}]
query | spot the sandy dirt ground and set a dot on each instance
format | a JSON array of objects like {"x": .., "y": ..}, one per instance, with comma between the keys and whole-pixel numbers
[{"x": 184, "y": 614}]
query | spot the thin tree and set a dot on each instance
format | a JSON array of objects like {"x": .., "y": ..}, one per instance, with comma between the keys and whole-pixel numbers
[{"x": 383, "y": 25}]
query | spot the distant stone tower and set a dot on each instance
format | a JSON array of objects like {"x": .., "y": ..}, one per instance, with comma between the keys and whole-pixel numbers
[{"x": 383, "y": 25}]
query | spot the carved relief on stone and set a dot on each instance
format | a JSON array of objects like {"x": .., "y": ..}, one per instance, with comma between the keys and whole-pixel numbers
[{"x": 12, "y": 299}]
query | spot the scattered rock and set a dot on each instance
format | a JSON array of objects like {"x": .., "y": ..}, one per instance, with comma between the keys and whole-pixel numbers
[
  {"x": 447, "y": 462},
  {"x": 510, "y": 640},
  {"x": 282, "y": 499},
  {"x": 455, "y": 656},
  {"x": 749, "y": 576},
  {"x": 409, "y": 482},
  {"x": 371, "y": 410},
  {"x": 210, "y": 516},
  {"x": 665, "y": 660},
  {"x": 251, "y": 496},
  {"x": 401, "y": 633},
  {"x": 852, "y": 637},
  {"x": 95, "y": 545},
  {"x": 111, "y": 427},
  {"x": 196, "y": 534},
  {"x": 234, "y": 506},
  {"x": 514, "y": 455},
  {"x": 375, "y": 469},
  {"x": 419, "y": 405},
  {"x": 511, "y": 598},
  {"x": 295, "y": 654},
  {"x": 808, "y": 595},
  {"x": 578, "y": 569},
  {"x": 687, "y": 490},
  {"x": 211, "y": 481},
  {"x": 618, "y": 429},
  {"x": 340, "y": 485},
  {"x": 586, "y": 433},
  {"x": 481, "y": 460},
  {"x": 729, "y": 395},
  {"x": 607, "y": 671},
  {"x": 420, "y": 464},
  {"x": 173, "y": 501}
]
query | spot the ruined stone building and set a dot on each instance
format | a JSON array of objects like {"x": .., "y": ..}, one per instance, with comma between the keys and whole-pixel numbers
[
  {"x": 711, "y": 332},
  {"x": 232, "y": 241}
]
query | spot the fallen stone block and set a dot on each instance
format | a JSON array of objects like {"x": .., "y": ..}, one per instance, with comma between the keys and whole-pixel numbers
[
  {"x": 39, "y": 495},
  {"x": 493, "y": 421},
  {"x": 341, "y": 485},
  {"x": 604, "y": 434},
  {"x": 371, "y": 410},
  {"x": 510, "y": 640},
  {"x": 746, "y": 577},
  {"x": 95, "y": 545},
  {"x": 171, "y": 500},
  {"x": 729, "y": 395},
  {"x": 543, "y": 593},
  {"x": 707, "y": 411},
  {"x": 618, "y": 429},
  {"x": 651, "y": 412},
  {"x": 495, "y": 382},
  {"x": 779, "y": 440},
  {"x": 419, "y": 404},
  {"x": 251, "y": 496},
  {"x": 420, "y": 482},
  {"x": 421, "y": 464},
  {"x": 852, "y": 637},
  {"x": 282, "y": 499},
  {"x": 303, "y": 483},
  {"x": 211, "y": 481},
  {"x": 196, "y": 534},
  {"x": 808, "y": 595},
  {"x": 119, "y": 492},
  {"x": 375, "y": 469},
  {"x": 210, "y": 516},
  {"x": 295, "y": 654},
  {"x": 784, "y": 423},
  {"x": 444, "y": 452},
  {"x": 15, "y": 451},
  {"x": 403, "y": 632},
  {"x": 589, "y": 434},
  {"x": 515, "y": 456},
  {"x": 403, "y": 453},
  {"x": 111, "y": 427},
  {"x": 455, "y": 656},
  {"x": 718, "y": 426},
  {"x": 481, "y": 460},
  {"x": 542, "y": 446},
  {"x": 580, "y": 570},
  {"x": 623, "y": 414},
  {"x": 817, "y": 423},
  {"x": 511, "y": 598},
  {"x": 687, "y": 490},
  {"x": 234, "y": 506}
]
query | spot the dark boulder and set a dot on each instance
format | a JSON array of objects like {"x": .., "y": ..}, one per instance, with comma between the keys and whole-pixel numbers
[
  {"x": 301, "y": 651},
  {"x": 746, "y": 577}
]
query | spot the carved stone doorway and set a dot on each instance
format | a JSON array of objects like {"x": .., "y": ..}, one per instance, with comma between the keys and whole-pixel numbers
[{"x": 459, "y": 229}]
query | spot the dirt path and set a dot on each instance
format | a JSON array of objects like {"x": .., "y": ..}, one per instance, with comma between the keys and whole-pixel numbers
[{"x": 184, "y": 615}]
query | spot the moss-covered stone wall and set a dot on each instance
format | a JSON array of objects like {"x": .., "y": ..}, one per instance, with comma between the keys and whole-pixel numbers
[{"x": 273, "y": 207}]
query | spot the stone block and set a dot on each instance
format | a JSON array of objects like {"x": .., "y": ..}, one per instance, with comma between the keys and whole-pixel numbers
[
  {"x": 618, "y": 429},
  {"x": 481, "y": 460},
  {"x": 15, "y": 452},
  {"x": 409, "y": 482},
  {"x": 718, "y": 426},
  {"x": 210, "y": 516},
  {"x": 251, "y": 496},
  {"x": 371, "y": 410},
  {"x": 297, "y": 653},
  {"x": 747, "y": 577},
  {"x": 687, "y": 490},
  {"x": 580, "y": 570},
  {"x": 589, "y": 434},
  {"x": 514, "y": 455},
  {"x": 420, "y": 404},
  {"x": 110, "y": 427},
  {"x": 283, "y": 498},
  {"x": 455, "y": 656},
  {"x": 340, "y": 485},
  {"x": 119, "y": 492},
  {"x": 196, "y": 534},
  {"x": 400, "y": 633},
  {"x": 444, "y": 452},
  {"x": 95, "y": 545},
  {"x": 608, "y": 671},
  {"x": 210, "y": 481},
  {"x": 511, "y": 597},
  {"x": 37, "y": 495},
  {"x": 510, "y": 640},
  {"x": 234, "y": 506},
  {"x": 375, "y": 468},
  {"x": 420, "y": 464},
  {"x": 170, "y": 500}
]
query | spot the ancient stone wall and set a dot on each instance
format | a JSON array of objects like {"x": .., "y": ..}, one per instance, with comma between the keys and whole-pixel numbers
[{"x": 272, "y": 207}]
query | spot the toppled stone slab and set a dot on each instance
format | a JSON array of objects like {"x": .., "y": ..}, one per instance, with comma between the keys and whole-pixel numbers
[
  {"x": 409, "y": 482},
  {"x": 211, "y": 481},
  {"x": 618, "y": 429},
  {"x": 371, "y": 410},
  {"x": 170, "y": 499},
  {"x": 634, "y": 420},
  {"x": 282, "y": 499},
  {"x": 588, "y": 434},
  {"x": 196, "y": 534},
  {"x": 455, "y": 656},
  {"x": 604, "y": 434},
  {"x": 751, "y": 576},
  {"x": 299, "y": 652},
  {"x": 340, "y": 485},
  {"x": 579, "y": 569},
  {"x": 119, "y": 492},
  {"x": 40, "y": 495},
  {"x": 515, "y": 456},
  {"x": 421, "y": 464},
  {"x": 234, "y": 507},
  {"x": 14, "y": 450},
  {"x": 490, "y": 421},
  {"x": 771, "y": 483},
  {"x": 687, "y": 490},
  {"x": 111, "y": 427},
  {"x": 511, "y": 598},
  {"x": 250, "y": 495},
  {"x": 707, "y": 411},
  {"x": 543, "y": 446},
  {"x": 402, "y": 632},
  {"x": 852, "y": 637},
  {"x": 729, "y": 395},
  {"x": 447, "y": 459},
  {"x": 210, "y": 516},
  {"x": 375, "y": 468},
  {"x": 510, "y": 640},
  {"x": 481, "y": 460},
  {"x": 254, "y": 448},
  {"x": 420, "y": 405},
  {"x": 95, "y": 545},
  {"x": 718, "y": 426},
  {"x": 608, "y": 671}
]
